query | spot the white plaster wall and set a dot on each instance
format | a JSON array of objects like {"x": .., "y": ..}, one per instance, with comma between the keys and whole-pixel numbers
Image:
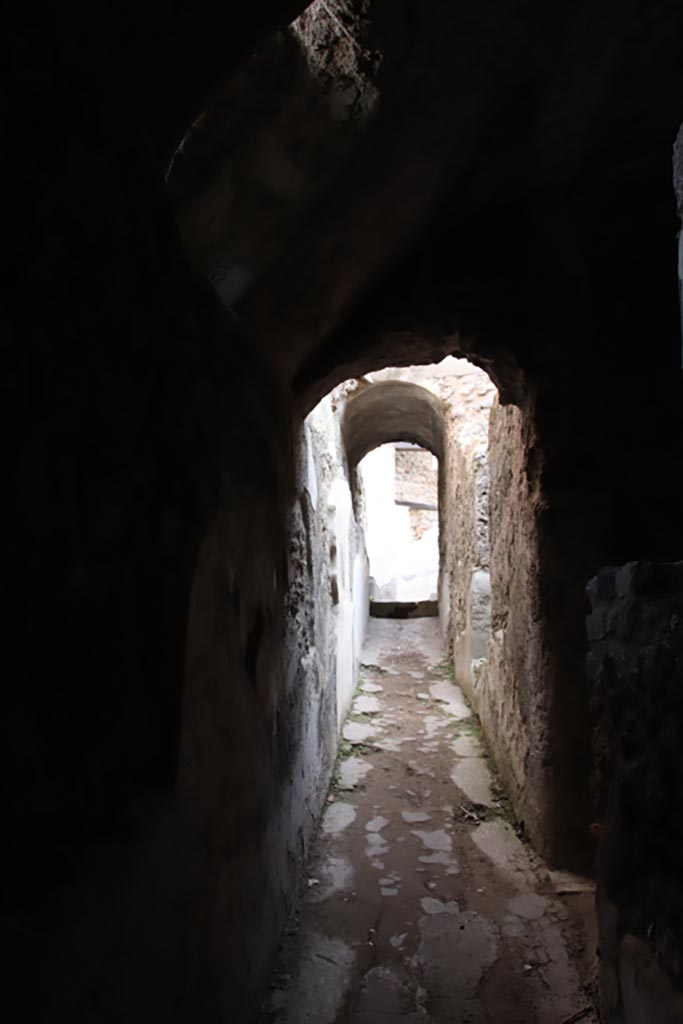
[
  {"x": 401, "y": 568},
  {"x": 342, "y": 596},
  {"x": 349, "y": 569}
]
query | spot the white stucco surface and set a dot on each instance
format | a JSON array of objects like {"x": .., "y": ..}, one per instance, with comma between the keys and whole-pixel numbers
[{"x": 401, "y": 568}]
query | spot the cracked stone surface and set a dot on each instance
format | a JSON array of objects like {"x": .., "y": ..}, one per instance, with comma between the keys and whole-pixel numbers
[
  {"x": 420, "y": 904},
  {"x": 352, "y": 771},
  {"x": 366, "y": 705},
  {"x": 471, "y": 775},
  {"x": 358, "y": 732},
  {"x": 371, "y": 688}
]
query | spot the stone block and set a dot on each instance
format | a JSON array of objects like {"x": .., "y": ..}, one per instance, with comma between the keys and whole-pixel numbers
[
  {"x": 603, "y": 585},
  {"x": 595, "y": 625},
  {"x": 622, "y": 619},
  {"x": 594, "y": 660},
  {"x": 624, "y": 579}
]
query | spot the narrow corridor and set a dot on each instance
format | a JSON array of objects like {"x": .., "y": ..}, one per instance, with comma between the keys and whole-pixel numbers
[{"x": 420, "y": 902}]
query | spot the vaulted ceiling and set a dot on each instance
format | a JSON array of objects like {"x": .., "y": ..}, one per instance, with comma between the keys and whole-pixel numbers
[{"x": 492, "y": 179}]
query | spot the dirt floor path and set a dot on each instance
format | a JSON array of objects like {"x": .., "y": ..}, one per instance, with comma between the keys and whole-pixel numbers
[{"x": 420, "y": 903}]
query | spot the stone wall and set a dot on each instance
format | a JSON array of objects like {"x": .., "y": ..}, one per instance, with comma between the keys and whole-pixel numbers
[
  {"x": 417, "y": 475},
  {"x": 186, "y": 590},
  {"x": 338, "y": 589},
  {"x": 490, "y": 604},
  {"x": 259, "y": 740},
  {"x": 635, "y": 664},
  {"x": 526, "y": 532},
  {"x": 417, "y": 480},
  {"x": 152, "y": 870},
  {"x": 464, "y": 492},
  {"x": 511, "y": 689}
]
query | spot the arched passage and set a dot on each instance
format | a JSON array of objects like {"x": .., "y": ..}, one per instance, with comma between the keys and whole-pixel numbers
[
  {"x": 502, "y": 674},
  {"x": 126, "y": 435},
  {"x": 392, "y": 411},
  {"x": 511, "y": 642},
  {"x": 376, "y": 414}
]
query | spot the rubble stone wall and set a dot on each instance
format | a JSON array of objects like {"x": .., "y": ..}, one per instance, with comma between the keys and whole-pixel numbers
[
  {"x": 417, "y": 476},
  {"x": 511, "y": 692},
  {"x": 465, "y": 570},
  {"x": 489, "y": 589},
  {"x": 635, "y": 663}
]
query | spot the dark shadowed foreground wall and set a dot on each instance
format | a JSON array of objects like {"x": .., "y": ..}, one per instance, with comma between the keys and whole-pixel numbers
[
  {"x": 636, "y": 666},
  {"x": 206, "y": 603},
  {"x": 165, "y": 600}
]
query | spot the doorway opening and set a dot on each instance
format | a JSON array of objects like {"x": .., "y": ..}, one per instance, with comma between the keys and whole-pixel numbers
[{"x": 401, "y": 491}]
